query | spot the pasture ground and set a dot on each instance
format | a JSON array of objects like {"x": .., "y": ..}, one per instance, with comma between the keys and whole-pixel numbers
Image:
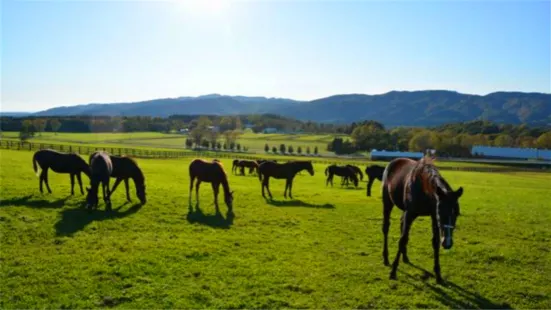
[{"x": 320, "y": 250}]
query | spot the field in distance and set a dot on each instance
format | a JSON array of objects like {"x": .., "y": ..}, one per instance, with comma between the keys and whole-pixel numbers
[
  {"x": 255, "y": 142},
  {"x": 320, "y": 250}
]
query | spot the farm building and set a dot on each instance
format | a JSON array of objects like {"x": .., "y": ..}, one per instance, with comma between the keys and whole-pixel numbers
[
  {"x": 510, "y": 152},
  {"x": 389, "y": 155}
]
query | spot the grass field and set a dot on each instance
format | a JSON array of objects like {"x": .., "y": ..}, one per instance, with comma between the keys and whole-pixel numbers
[
  {"x": 321, "y": 250},
  {"x": 255, "y": 142}
]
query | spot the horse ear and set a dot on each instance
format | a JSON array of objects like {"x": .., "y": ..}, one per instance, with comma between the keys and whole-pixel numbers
[{"x": 459, "y": 192}]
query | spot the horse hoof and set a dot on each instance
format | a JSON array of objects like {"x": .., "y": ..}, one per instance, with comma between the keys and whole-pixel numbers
[
  {"x": 387, "y": 263},
  {"x": 440, "y": 281},
  {"x": 393, "y": 276},
  {"x": 406, "y": 260}
]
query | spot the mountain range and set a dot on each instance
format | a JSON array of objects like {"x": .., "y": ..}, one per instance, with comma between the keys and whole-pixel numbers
[{"x": 395, "y": 108}]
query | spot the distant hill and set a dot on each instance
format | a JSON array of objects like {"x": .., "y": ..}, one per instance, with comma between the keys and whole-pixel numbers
[{"x": 396, "y": 108}]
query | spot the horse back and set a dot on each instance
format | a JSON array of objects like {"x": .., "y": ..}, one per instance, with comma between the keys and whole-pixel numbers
[
  {"x": 207, "y": 171},
  {"x": 101, "y": 165},
  {"x": 60, "y": 162}
]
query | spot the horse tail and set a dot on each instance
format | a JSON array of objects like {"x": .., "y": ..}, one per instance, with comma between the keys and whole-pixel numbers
[
  {"x": 361, "y": 174},
  {"x": 36, "y": 169},
  {"x": 259, "y": 174}
]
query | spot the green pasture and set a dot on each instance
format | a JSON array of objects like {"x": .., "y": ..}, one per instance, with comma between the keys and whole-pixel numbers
[{"x": 321, "y": 249}]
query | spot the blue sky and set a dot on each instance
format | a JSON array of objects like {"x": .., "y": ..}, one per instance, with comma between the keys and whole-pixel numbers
[{"x": 58, "y": 53}]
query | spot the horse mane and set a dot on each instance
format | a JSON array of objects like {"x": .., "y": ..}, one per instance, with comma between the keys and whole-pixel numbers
[{"x": 425, "y": 171}]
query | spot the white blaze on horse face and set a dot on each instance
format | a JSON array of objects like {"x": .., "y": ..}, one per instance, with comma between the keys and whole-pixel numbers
[{"x": 448, "y": 235}]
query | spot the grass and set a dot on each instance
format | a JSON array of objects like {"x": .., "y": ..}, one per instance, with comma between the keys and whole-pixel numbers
[{"x": 320, "y": 250}]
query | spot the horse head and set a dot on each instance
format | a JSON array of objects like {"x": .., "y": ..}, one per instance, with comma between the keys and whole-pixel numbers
[
  {"x": 448, "y": 211},
  {"x": 91, "y": 198},
  {"x": 310, "y": 168},
  {"x": 140, "y": 192},
  {"x": 228, "y": 198}
]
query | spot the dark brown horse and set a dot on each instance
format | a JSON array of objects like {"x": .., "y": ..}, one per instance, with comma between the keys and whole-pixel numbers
[
  {"x": 356, "y": 170},
  {"x": 125, "y": 168},
  {"x": 69, "y": 163},
  {"x": 418, "y": 189},
  {"x": 342, "y": 171},
  {"x": 260, "y": 161},
  {"x": 235, "y": 165},
  {"x": 211, "y": 172},
  {"x": 285, "y": 171},
  {"x": 251, "y": 164},
  {"x": 373, "y": 172},
  {"x": 101, "y": 169}
]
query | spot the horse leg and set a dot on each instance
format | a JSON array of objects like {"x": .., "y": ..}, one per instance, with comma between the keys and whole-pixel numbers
[
  {"x": 127, "y": 187},
  {"x": 405, "y": 257},
  {"x": 286, "y": 186},
  {"x": 117, "y": 182},
  {"x": 387, "y": 209},
  {"x": 402, "y": 244},
  {"x": 215, "y": 189},
  {"x": 72, "y": 184},
  {"x": 436, "y": 249},
  {"x": 41, "y": 180},
  {"x": 369, "y": 184},
  {"x": 268, "y": 186},
  {"x": 191, "y": 189},
  {"x": 106, "y": 195},
  {"x": 46, "y": 180},
  {"x": 79, "y": 179},
  {"x": 291, "y": 188},
  {"x": 197, "y": 190}
]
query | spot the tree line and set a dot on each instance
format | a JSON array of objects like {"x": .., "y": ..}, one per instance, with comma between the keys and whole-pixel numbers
[{"x": 450, "y": 139}]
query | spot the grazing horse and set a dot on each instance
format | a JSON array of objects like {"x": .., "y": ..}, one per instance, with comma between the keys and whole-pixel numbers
[
  {"x": 251, "y": 164},
  {"x": 125, "y": 168},
  {"x": 69, "y": 163},
  {"x": 101, "y": 169},
  {"x": 286, "y": 171},
  {"x": 418, "y": 189},
  {"x": 373, "y": 172},
  {"x": 261, "y": 161},
  {"x": 356, "y": 170},
  {"x": 211, "y": 172},
  {"x": 235, "y": 165},
  {"x": 342, "y": 171}
]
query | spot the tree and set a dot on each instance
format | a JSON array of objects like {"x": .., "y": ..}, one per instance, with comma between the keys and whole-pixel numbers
[
  {"x": 226, "y": 124},
  {"x": 225, "y": 146},
  {"x": 218, "y": 145},
  {"x": 213, "y": 137},
  {"x": 290, "y": 149},
  {"x": 308, "y": 150},
  {"x": 232, "y": 146},
  {"x": 55, "y": 124},
  {"x": 315, "y": 150},
  {"x": 299, "y": 150},
  {"x": 422, "y": 141},
  {"x": 189, "y": 143},
  {"x": 27, "y": 131},
  {"x": 205, "y": 143},
  {"x": 39, "y": 125},
  {"x": 200, "y": 130},
  {"x": 282, "y": 148},
  {"x": 503, "y": 140},
  {"x": 266, "y": 148},
  {"x": 274, "y": 149},
  {"x": 238, "y": 146},
  {"x": 544, "y": 141}
]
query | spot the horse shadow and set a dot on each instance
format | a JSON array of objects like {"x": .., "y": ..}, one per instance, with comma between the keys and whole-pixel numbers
[
  {"x": 27, "y": 201},
  {"x": 298, "y": 203},
  {"x": 466, "y": 300},
  {"x": 74, "y": 220},
  {"x": 196, "y": 215}
]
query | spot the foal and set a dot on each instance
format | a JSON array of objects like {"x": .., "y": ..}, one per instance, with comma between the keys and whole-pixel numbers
[
  {"x": 211, "y": 172},
  {"x": 418, "y": 189}
]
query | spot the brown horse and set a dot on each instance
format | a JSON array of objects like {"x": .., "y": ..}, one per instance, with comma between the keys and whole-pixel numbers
[
  {"x": 251, "y": 164},
  {"x": 235, "y": 165},
  {"x": 342, "y": 171},
  {"x": 286, "y": 171},
  {"x": 211, "y": 172},
  {"x": 101, "y": 169},
  {"x": 125, "y": 168},
  {"x": 373, "y": 172},
  {"x": 418, "y": 189},
  {"x": 69, "y": 163},
  {"x": 357, "y": 171}
]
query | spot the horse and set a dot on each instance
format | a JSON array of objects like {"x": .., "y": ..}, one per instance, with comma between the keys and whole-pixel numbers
[
  {"x": 125, "y": 168},
  {"x": 418, "y": 189},
  {"x": 70, "y": 163},
  {"x": 101, "y": 170},
  {"x": 235, "y": 165},
  {"x": 286, "y": 171},
  {"x": 373, "y": 172},
  {"x": 356, "y": 170},
  {"x": 211, "y": 172},
  {"x": 343, "y": 171},
  {"x": 261, "y": 161},
  {"x": 251, "y": 164}
]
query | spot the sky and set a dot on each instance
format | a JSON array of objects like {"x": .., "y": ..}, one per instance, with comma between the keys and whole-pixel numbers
[{"x": 64, "y": 52}]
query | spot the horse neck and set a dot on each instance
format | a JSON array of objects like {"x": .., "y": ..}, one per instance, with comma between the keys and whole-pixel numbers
[
  {"x": 225, "y": 186},
  {"x": 137, "y": 176}
]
